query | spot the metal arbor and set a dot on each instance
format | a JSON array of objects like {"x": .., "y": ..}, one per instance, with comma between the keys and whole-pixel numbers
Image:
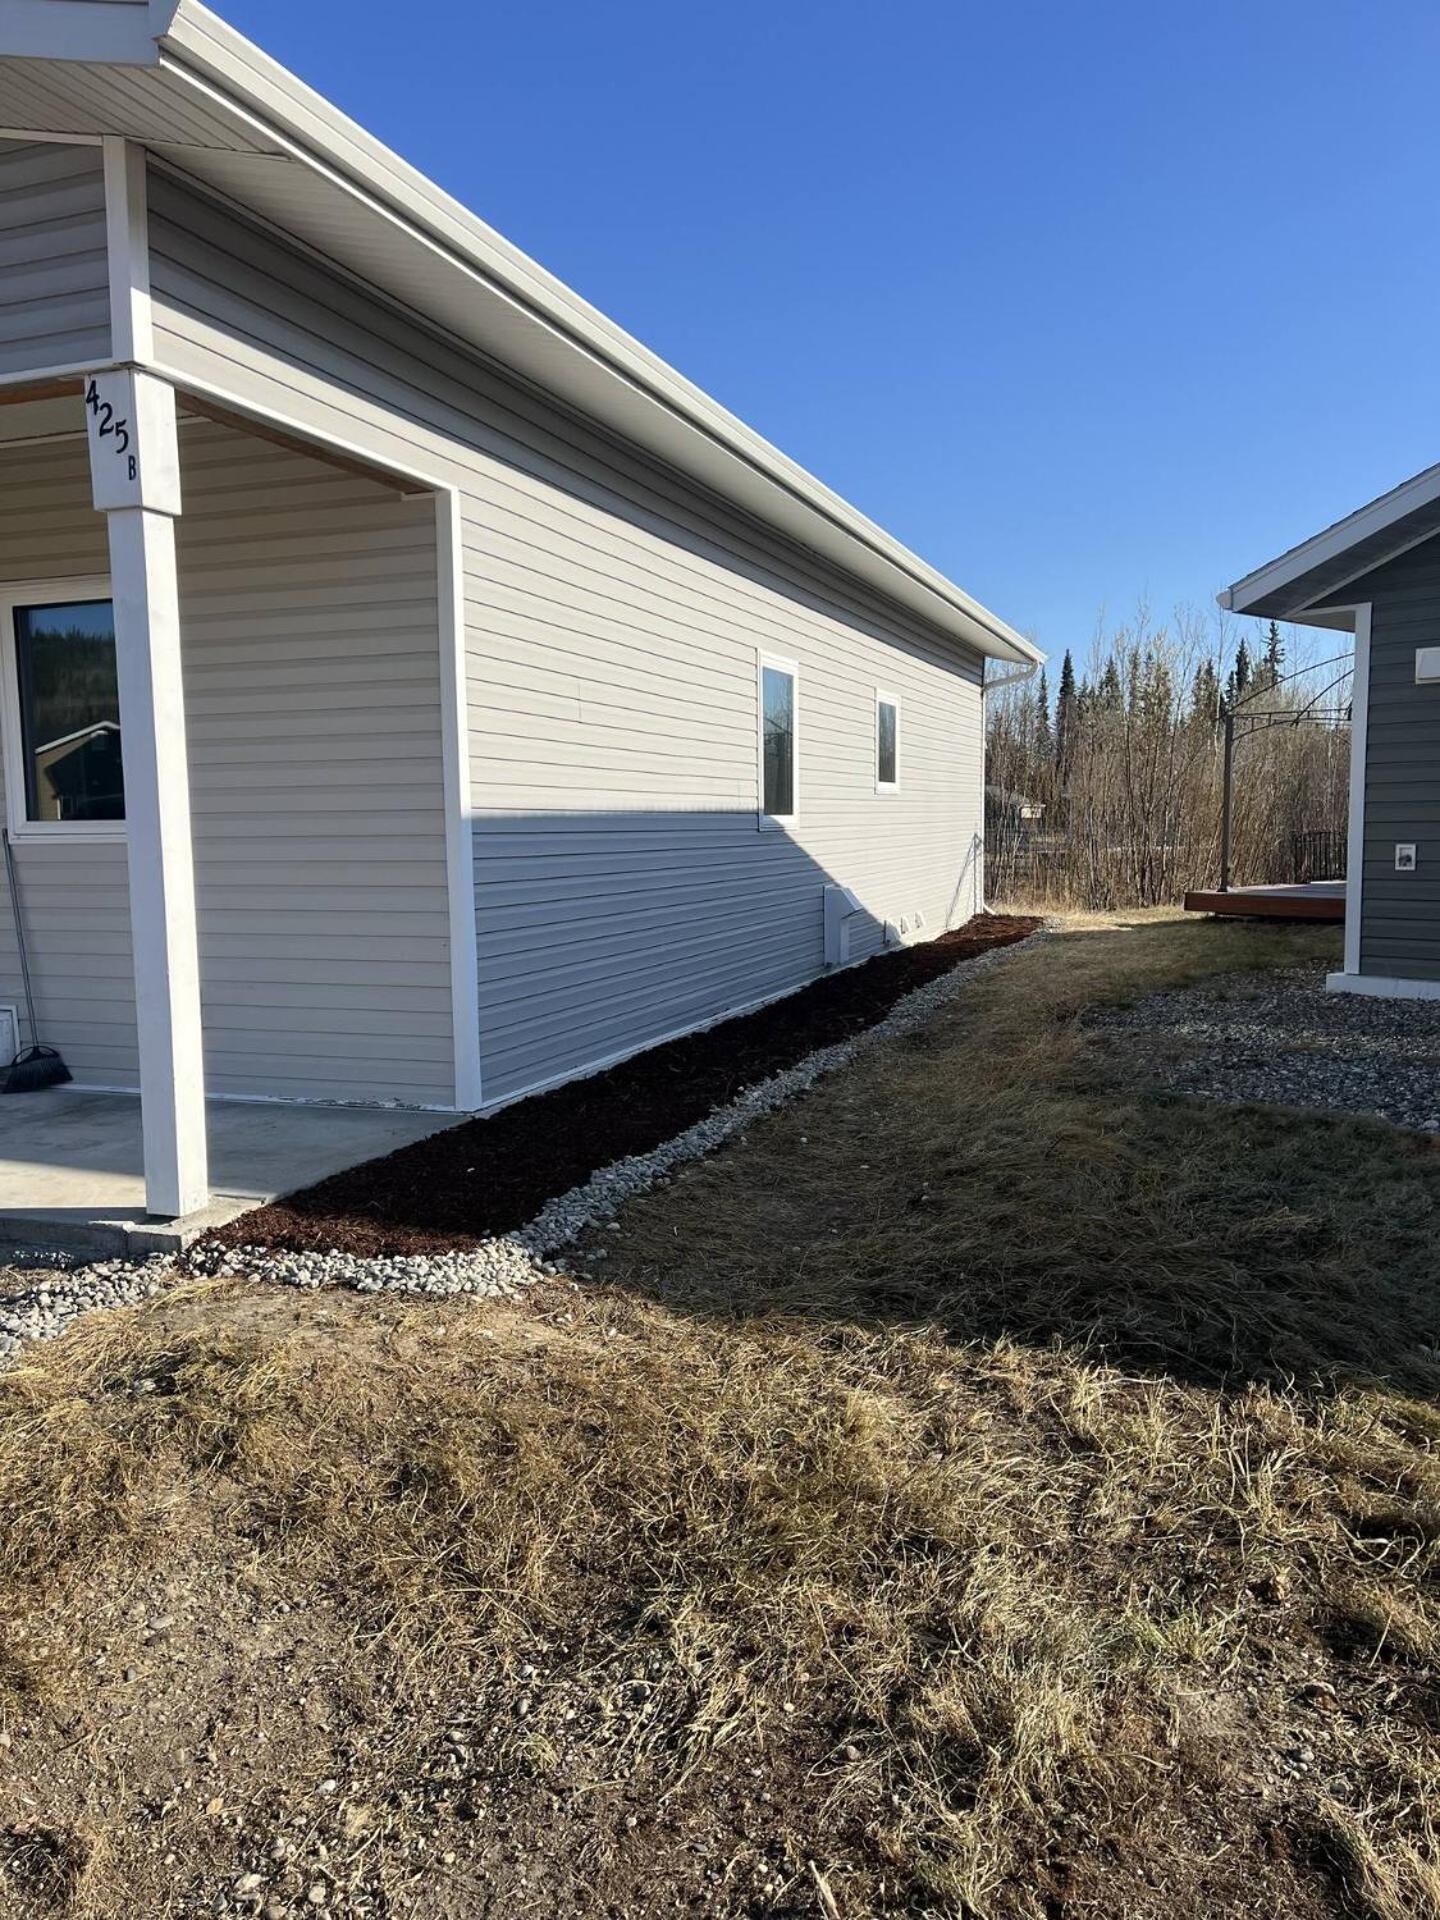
[{"x": 1241, "y": 724}]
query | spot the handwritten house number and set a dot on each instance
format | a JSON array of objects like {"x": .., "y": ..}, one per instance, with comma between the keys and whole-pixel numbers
[{"x": 110, "y": 427}]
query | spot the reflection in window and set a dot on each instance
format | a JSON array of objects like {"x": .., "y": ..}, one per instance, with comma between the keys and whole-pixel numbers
[
  {"x": 778, "y": 734},
  {"x": 69, "y": 711},
  {"x": 887, "y": 743}
]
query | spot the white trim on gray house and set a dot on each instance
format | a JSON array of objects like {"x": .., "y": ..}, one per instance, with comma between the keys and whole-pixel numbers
[
  {"x": 441, "y": 611},
  {"x": 1377, "y": 574},
  {"x": 1355, "y": 837}
]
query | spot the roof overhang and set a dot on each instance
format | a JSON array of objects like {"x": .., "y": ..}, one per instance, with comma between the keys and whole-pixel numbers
[
  {"x": 178, "y": 79},
  {"x": 1308, "y": 584}
]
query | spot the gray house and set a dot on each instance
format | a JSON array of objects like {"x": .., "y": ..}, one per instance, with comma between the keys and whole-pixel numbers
[
  {"x": 1376, "y": 574},
  {"x": 492, "y": 703}
]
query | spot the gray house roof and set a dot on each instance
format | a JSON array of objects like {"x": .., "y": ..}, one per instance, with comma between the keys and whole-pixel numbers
[
  {"x": 173, "y": 75},
  {"x": 1299, "y": 583}
]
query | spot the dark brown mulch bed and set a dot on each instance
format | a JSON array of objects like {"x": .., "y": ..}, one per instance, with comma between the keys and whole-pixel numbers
[{"x": 490, "y": 1176}]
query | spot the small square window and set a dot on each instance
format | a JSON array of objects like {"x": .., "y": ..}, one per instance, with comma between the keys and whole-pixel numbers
[
  {"x": 69, "y": 712},
  {"x": 777, "y": 740},
  {"x": 887, "y": 742}
]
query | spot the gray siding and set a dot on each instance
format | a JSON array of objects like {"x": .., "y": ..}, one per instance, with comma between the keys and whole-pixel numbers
[
  {"x": 625, "y": 888},
  {"x": 309, "y": 616},
  {"x": 54, "y": 277},
  {"x": 1400, "y": 917}
]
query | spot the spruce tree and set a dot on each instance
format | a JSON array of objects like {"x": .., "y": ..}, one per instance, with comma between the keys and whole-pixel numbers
[
  {"x": 1065, "y": 709},
  {"x": 1274, "y": 652},
  {"x": 1044, "y": 744},
  {"x": 1206, "y": 696},
  {"x": 1241, "y": 672}
]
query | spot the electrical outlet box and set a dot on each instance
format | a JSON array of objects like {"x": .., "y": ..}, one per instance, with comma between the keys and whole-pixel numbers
[{"x": 1405, "y": 856}]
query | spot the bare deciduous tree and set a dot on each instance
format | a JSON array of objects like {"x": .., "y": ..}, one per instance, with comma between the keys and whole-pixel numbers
[{"x": 1116, "y": 800}]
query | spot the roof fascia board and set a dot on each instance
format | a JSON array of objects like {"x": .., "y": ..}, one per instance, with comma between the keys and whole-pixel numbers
[
  {"x": 120, "y": 32},
  {"x": 203, "y": 52},
  {"x": 1363, "y": 524}
]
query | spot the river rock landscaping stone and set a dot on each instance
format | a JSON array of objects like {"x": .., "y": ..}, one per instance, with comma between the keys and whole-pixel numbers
[
  {"x": 500, "y": 1267},
  {"x": 1281, "y": 1038},
  {"x": 490, "y": 1176},
  {"x": 45, "y": 1302}
]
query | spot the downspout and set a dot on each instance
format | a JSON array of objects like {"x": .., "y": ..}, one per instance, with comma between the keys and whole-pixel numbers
[{"x": 988, "y": 685}]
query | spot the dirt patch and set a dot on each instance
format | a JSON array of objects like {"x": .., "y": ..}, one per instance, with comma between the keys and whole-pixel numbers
[
  {"x": 581, "y": 1607},
  {"x": 490, "y": 1176}
]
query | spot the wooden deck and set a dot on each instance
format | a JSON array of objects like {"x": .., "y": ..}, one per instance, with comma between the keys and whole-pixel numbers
[{"x": 1316, "y": 900}]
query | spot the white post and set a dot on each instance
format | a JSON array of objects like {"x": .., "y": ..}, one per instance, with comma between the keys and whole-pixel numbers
[
  {"x": 135, "y": 474},
  {"x": 459, "y": 814},
  {"x": 1355, "y": 843}
]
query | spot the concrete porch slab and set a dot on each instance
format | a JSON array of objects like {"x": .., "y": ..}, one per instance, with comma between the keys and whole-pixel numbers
[{"x": 72, "y": 1181}]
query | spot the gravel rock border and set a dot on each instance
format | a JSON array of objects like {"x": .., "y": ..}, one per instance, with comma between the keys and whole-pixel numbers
[
  {"x": 502, "y": 1267},
  {"x": 58, "y": 1298},
  {"x": 499, "y": 1268}
]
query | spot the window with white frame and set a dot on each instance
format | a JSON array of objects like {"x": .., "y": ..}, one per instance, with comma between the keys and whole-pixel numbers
[
  {"x": 887, "y": 743},
  {"x": 778, "y": 711},
  {"x": 61, "y": 710}
]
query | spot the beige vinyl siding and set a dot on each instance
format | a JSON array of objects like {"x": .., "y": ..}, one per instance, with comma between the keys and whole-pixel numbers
[
  {"x": 628, "y": 887},
  {"x": 309, "y": 632},
  {"x": 615, "y": 616},
  {"x": 308, "y": 607},
  {"x": 54, "y": 276}
]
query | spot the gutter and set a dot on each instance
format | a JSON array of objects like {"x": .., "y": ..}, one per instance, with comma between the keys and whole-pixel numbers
[
  {"x": 992, "y": 683},
  {"x": 202, "y": 51}
]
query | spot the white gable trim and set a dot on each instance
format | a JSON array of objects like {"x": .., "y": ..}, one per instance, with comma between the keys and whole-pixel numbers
[{"x": 1364, "y": 524}]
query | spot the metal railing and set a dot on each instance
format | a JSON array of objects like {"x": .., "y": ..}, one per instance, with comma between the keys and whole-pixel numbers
[{"x": 1317, "y": 856}]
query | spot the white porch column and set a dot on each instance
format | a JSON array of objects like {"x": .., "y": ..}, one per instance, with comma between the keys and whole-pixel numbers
[{"x": 135, "y": 474}]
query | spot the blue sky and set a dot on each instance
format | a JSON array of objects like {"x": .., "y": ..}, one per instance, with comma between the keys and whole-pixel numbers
[{"x": 1083, "y": 303}]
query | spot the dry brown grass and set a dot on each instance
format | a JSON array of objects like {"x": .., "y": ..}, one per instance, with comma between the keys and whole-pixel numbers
[{"x": 974, "y": 1494}]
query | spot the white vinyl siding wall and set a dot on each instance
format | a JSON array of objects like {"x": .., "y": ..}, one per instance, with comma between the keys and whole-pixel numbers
[
  {"x": 54, "y": 277},
  {"x": 309, "y": 628},
  {"x": 614, "y": 617}
]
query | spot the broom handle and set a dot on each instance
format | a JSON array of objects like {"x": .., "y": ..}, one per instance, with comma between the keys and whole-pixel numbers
[{"x": 14, "y": 885}]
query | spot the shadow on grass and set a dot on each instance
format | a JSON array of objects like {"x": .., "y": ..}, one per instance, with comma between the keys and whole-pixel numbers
[{"x": 1007, "y": 1175}]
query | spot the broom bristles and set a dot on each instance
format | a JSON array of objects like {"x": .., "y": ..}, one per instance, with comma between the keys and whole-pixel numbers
[{"x": 34, "y": 1068}]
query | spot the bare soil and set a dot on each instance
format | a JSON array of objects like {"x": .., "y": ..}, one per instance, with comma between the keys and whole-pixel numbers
[{"x": 492, "y": 1175}]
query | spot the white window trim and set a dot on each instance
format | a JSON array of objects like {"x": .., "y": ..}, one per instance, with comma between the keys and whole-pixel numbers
[
  {"x": 780, "y": 664},
  {"x": 885, "y": 699},
  {"x": 26, "y": 593}
]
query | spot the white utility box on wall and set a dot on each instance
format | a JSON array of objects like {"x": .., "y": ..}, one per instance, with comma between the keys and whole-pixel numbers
[{"x": 1427, "y": 666}]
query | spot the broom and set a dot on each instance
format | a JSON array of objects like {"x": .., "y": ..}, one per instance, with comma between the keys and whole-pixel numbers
[{"x": 37, "y": 1065}]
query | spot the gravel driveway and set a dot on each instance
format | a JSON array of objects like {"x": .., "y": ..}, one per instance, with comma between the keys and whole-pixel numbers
[{"x": 1279, "y": 1037}]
